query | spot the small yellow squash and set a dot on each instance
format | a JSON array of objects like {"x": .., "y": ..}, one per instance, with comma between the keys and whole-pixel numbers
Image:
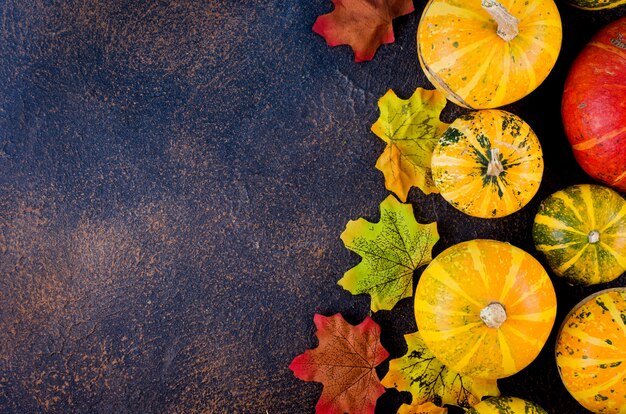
[
  {"x": 488, "y": 54},
  {"x": 488, "y": 163},
  {"x": 485, "y": 308},
  {"x": 506, "y": 405},
  {"x": 591, "y": 352}
]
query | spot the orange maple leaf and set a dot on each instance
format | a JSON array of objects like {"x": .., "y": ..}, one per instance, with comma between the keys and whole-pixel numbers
[
  {"x": 362, "y": 24},
  {"x": 345, "y": 363}
]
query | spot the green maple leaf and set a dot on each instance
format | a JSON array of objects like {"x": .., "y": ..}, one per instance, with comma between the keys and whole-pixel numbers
[
  {"x": 411, "y": 128},
  {"x": 391, "y": 250},
  {"x": 427, "y": 379}
]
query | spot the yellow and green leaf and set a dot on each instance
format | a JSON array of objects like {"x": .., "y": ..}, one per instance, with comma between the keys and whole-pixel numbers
[
  {"x": 391, "y": 250},
  {"x": 428, "y": 380},
  {"x": 411, "y": 129}
]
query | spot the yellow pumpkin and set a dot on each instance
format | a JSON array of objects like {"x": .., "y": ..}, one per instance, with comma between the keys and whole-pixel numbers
[
  {"x": 488, "y": 163},
  {"x": 506, "y": 405},
  {"x": 591, "y": 352},
  {"x": 485, "y": 308},
  {"x": 488, "y": 54}
]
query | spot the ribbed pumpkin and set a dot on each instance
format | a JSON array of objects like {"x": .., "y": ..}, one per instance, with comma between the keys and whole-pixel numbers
[
  {"x": 582, "y": 232},
  {"x": 594, "y": 106},
  {"x": 506, "y": 405},
  {"x": 490, "y": 54},
  {"x": 488, "y": 163},
  {"x": 591, "y": 352},
  {"x": 485, "y": 308}
]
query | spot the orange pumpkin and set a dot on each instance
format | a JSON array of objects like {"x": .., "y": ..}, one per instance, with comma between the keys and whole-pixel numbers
[
  {"x": 488, "y": 54},
  {"x": 485, "y": 308},
  {"x": 591, "y": 352}
]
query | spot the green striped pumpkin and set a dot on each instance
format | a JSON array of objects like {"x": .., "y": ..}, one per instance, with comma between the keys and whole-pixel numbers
[
  {"x": 591, "y": 352},
  {"x": 581, "y": 230},
  {"x": 596, "y": 4},
  {"x": 488, "y": 163}
]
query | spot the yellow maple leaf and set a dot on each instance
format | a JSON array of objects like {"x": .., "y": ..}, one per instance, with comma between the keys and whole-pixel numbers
[
  {"x": 428, "y": 380},
  {"x": 411, "y": 128}
]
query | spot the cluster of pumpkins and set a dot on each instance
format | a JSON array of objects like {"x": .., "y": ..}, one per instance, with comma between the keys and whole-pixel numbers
[{"x": 486, "y": 308}]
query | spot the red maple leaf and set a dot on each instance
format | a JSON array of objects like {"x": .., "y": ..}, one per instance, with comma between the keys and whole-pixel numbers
[
  {"x": 345, "y": 363},
  {"x": 362, "y": 24}
]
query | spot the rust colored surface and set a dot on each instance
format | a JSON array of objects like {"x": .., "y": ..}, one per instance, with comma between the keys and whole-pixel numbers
[{"x": 174, "y": 178}]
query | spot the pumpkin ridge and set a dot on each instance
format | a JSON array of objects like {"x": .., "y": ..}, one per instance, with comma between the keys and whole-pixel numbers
[
  {"x": 620, "y": 214},
  {"x": 587, "y": 197},
  {"x": 529, "y": 340},
  {"x": 617, "y": 316},
  {"x": 536, "y": 316},
  {"x": 557, "y": 224},
  {"x": 619, "y": 179},
  {"x": 450, "y": 59},
  {"x": 480, "y": 72},
  {"x": 528, "y": 11},
  {"x": 444, "y": 335},
  {"x": 569, "y": 263},
  {"x": 438, "y": 82},
  {"x": 510, "y": 278},
  {"x": 554, "y": 53},
  {"x": 506, "y": 71},
  {"x": 428, "y": 308},
  {"x": 595, "y": 391},
  {"x": 508, "y": 362},
  {"x": 549, "y": 247},
  {"x": 608, "y": 48},
  {"x": 530, "y": 70},
  {"x": 546, "y": 23},
  {"x": 530, "y": 291},
  {"x": 565, "y": 197},
  {"x": 445, "y": 9},
  {"x": 478, "y": 262},
  {"x": 443, "y": 277},
  {"x": 463, "y": 362},
  {"x": 592, "y": 142},
  {"x": 576, "y": 362}
]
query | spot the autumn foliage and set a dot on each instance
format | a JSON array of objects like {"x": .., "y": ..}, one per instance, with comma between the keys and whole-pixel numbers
[
  {"x": 345, "y": 363},
  {"x": 362, "y": 24}
]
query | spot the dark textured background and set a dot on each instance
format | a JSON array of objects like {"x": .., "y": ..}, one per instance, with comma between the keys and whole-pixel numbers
[{"x": 174, "y": 177}]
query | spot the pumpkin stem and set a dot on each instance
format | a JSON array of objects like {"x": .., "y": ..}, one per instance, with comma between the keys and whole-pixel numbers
[
  {"x": 493, "y": 314},
  {"x": 594, "y": 236},
  {"x": 507, "y": 23},
  {"x": 495, "y": 168}
]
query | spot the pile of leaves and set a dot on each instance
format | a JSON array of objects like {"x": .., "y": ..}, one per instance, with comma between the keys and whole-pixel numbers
[{"x": 391, "y": 250}]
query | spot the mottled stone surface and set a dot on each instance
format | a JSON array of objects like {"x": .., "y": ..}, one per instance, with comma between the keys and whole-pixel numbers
[{"x": 174, "y": 177}]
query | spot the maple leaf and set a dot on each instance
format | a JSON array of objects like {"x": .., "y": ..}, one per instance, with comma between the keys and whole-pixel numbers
[
  {"x": 362, "y": 24},
  {"x": 426, "y": 408},
  {"x": 345, "y": 362},
  {"x": 427, "y": 379},
  {"x": 411, "y": 128},
  {"x": 391, "y": 250}
]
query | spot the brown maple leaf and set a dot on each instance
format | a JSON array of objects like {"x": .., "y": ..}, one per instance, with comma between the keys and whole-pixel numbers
[
  {"x": 362, "y": 24},
  {"x": 345, "y": 363}
]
